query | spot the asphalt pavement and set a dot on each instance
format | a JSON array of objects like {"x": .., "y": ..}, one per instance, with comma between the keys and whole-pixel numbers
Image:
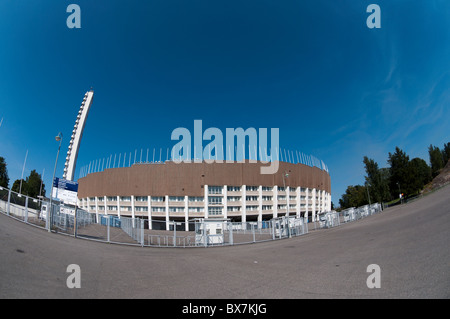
[{"x": 409, "y": 243}]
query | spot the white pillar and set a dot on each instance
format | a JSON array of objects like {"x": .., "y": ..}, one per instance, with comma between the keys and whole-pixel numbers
[
  {"x": 96, "y": 207},
  {"x": 298, "y": 201},
  {"x": 206, "y": 201},
  {"x": 167, "y": 212},
  {"x": 118, "y": 206},
  {"x": 225, "y": 202},
  {"x": 149, "y": 207},
  {"x": 313, "y": 204},
  {"x": 275, "y": 202},
  {"x": 307, "y": 203},
  {"x": 260, "y": 206},
  {"x": 244, "y": 201},
  {"x": 329, "y": 201},
  {"x": 186, "y": 215},
  {"x": 288, "y": 200},
  {"x": 321, "y": 201},
  {"x": 132, "y": 207}
]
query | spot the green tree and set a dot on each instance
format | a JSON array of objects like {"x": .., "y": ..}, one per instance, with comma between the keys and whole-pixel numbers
[
  {"x": 376, "y": 182},
  {"x": 16, "y": 187},
  {"x": 354, "y": 196},
  {"x": 4, "y": 178},
  {"x": 446, "y": 153},
  {"x": 436, "y": 160},
  {"x": 34, "y": 184},
  {"x": 419, "y": 174},
  {"x": 30, "y": 186},
  {"x": 399, "y": 171}
]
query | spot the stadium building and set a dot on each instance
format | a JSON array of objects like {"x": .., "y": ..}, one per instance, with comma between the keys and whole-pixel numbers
[{"x": 167, "y": 192}]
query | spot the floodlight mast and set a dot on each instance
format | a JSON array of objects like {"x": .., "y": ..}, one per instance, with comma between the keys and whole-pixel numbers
[
  {"x": 48, "y": 219},
  {"x": 77, "y": 133}
]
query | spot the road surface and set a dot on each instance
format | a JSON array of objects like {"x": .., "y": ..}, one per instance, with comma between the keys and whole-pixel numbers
[{"x": 409, "y": 243}]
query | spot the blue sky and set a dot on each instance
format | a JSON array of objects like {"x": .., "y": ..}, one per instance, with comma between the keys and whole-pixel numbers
[{"x": 335, "y": 88}]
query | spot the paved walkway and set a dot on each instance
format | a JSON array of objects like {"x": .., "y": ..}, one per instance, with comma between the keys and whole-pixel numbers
[{"x": 410, "y": 243}]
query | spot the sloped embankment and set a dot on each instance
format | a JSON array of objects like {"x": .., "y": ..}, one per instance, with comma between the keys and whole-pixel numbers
[{"x": 442, "y": 179}]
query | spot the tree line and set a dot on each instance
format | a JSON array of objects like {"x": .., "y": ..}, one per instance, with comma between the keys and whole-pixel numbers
[
  {"x": 32, "y": 186},
  {"x": 403, "y": 176}
]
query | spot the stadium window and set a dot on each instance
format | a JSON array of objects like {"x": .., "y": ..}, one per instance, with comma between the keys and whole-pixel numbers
[
  {"x": 215, "y": 200},
  {"x": 215, "y": 190},
  {"x": 214, "y": 210},
  {"x": 176, "y": 198}
]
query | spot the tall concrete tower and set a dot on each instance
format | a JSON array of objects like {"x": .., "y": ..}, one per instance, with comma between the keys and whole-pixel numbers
[{"x": 77, "y": 134}]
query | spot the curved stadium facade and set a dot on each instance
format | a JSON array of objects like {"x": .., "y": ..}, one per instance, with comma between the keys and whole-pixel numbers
[{"x": 166, "y": 192}]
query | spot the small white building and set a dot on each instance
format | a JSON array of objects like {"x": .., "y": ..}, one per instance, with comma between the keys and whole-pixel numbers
[{"x": 210, "y": 231}]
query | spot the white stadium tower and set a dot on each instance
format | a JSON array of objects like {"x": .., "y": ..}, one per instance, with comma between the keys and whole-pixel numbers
[{"x": 77, "y": 134}]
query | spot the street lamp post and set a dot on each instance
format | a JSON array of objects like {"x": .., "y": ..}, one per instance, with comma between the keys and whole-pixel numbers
[
  {"x": 285, "y": 174},
  {"x": 21, "y": 179},
  {"x": 58, "y": 138}
]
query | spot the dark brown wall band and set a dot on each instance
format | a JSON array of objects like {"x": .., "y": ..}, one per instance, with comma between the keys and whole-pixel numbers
[{"x": 188, "y": 178}]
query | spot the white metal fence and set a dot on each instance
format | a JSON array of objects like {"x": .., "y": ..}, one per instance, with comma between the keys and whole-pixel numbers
[
  {"x": 333, "y": 218},
  {"x": 136, "y": 231}
]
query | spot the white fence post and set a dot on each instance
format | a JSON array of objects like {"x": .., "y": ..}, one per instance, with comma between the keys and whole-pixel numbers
[
  {"x": 8, "y": 207},
  {"x": 142, "y": 232},
  {"x": 108, "y": 221},
  {"x": 26, "y": 209}
]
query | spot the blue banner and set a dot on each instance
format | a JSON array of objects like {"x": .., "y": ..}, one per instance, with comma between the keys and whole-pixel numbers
[{"x": 65, "y": 184}]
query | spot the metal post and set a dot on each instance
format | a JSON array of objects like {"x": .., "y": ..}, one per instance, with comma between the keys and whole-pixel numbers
[
  {"x": 142, "y": 232},
  {"x": 23, "y": 168},
  {"x": 107, "y": 229},
  {"x": 26, "y": 209},
  {"x": 205, "y": 236},
  {"x": 285, "y": 174},
  {"x": 42, "y": 180},
  {"x": 230, "y": 224},
  {"x": 75, "y": 223},
  {"x": 9, "y": 202},
  {"x": 49, "y": 215},
  {"x": 253, "y": 231},
  {"x": 174, "y": 234},
  {"x": 273, "y": 229}
]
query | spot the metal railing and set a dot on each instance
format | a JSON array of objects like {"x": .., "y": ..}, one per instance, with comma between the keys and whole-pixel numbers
[
  {"x": 76, "y": 222},
  {"x": 333, "y": 218}
]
